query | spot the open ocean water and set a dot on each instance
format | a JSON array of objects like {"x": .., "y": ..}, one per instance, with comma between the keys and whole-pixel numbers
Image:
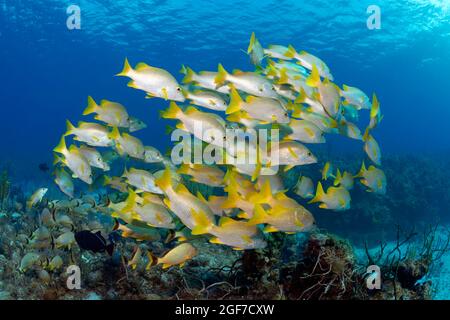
[{"x": 55, "y": 54}]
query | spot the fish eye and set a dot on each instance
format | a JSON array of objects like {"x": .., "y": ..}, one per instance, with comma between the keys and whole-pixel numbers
[
  {"x": 309, "y": 154},
  {"x": 261, "y": 89},
  {"x": 285, "y": 114},
  {"x": 178, "y": 89},
  {"x": 224, "y": 138}
]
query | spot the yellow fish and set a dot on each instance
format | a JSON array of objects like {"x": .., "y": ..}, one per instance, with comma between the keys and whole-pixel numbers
[
  {"x": 126, "y": 144},
  {"x": 177, "y": 256},
  {"x": 336, "y": 198},
  {"x": 373, "y": 178},
  {"x": 156, "y": 82},
  {"x": 75, "y": 161},
  {"x": 36, "y": 197},
  {"x": 112, "y": 113}
]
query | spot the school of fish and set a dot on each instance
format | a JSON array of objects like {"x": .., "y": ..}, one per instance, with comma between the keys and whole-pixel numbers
[{"x": 289, "y": 90}]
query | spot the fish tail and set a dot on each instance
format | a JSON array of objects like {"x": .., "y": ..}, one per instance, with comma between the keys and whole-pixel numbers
[
  {"x": 164, "y": 182},
  {"x": 291, "y": 52},
  {"x": 319, "y": 194},
  {"x": 264, "y": 195},
  {"x": 221, "y": 75},
  {"x": 91, "y": 107},
  {"x": 313, "y": 79},
  {"x": 184, "y": 169},
  {"x": 152, "y": 260},
  {"x": 362, "y": 171},
  {"x": 126, "y": 69},
  {"x": 173, "y": 112},
  {"x": 61, "y": 147},
  {"x": 259, "y": 215},
  {"x": 189, "y": 75},
  {"x": 115, "y": 134},
  {"x": 235, "y": 102},
  {"x": 338, "y": 178},
  {"x": 366, "y": 134},
  {"x": 70, "y": 128},
  {"x": 202, "y": 223},
  {"x": 252, "y": 43}
]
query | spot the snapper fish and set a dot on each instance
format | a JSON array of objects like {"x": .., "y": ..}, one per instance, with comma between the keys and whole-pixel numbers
[
  {"x": 240, "y": 235},
  {"x": 93, "y": 134},
  {"x": 127, "y": 144},
  {"x": 36, "y": 197},
  {"x": 305, "y": 188},
  {"x": 116, "y": 183},
  {"x": 328, "y": 93},
  {"x": 373, "y": 178},
  {"x": 336, "y": 198},
  {"x": 323, "y": 122},
  {"x": 209, "y": 175},
  {"x": 355, "y": 97},
  {"x": 138, "y": 232},
  {"x": 285, "y": 220},
  {"x": 30, "y": 260},
  {"x": 375, "y": 113},
  {"x": 65, "y": 240},
  {"x": 146, "y": 210},
  {"x": 154, "y": 81},
  {"x": 372, "y": 148},
  {"x": 305, "y": 131},
  {"x": 206, "y": 98},
  {"x": 204, "y": 79},
  {"x": 345, "y": 179},
  {"x": 75, "y": 161},
  {"x": 112, "y": 113},
  {"x": 136, "y": 124},
  {"x": 177, "y": 256},
  {"x": 290, "y": 154},
  {"x": 249, "y": 82},
  {"x": 55, "y": 263},
  {"x": 277, "y": 52},
  {"x": 187, "y": 207},
  {"x": 266, "y": 110},
  {"x": 152, "y": 155},
  {"x": 142, "y": 180},
  {"x": 308, "y": 61},
  {"x": 94, "y": 158},
  {"x": 255, "y": 51},
  {"x": 327, "y": 171},
  {"x": 64, "y": 182},
  {"x": 207, "y": 127},
  {"x": 349, "y": 129}
]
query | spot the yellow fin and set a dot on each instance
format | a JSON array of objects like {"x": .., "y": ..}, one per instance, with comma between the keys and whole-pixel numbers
[
  {"x": 165, "y": 181},
  {"x": 314, "y": 78},
  {"x": 235, "y": 102},
  {"x": 91, "y": 107},
  {"x": 319, "y": 194},
  {"x": 173, "y": 112},
  {"x": 259, "y": 215},
  {"x": 126, "y": 69},
  {"x": 221, "y": 76}
]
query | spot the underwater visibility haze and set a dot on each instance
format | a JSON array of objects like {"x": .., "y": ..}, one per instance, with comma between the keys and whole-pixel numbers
[{"x": 356, "y": 94}]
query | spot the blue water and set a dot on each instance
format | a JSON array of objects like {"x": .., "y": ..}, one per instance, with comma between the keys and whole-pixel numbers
[{"x": 48, "y": 70}]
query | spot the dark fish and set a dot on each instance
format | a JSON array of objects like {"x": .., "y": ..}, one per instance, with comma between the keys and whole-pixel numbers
[
  {"x": 44, "y": 167},
  {"x": 94, "y": 242}
]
